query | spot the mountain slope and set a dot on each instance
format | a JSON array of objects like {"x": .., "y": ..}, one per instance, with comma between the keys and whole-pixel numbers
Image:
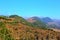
[
  {"x": 37, "y": 21},
  {"x": 46, "y": 19},
  {"x": 16, "y": 30}
]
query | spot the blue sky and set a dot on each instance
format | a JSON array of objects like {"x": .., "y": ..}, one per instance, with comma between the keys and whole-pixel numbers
[{"x": 28, "y": 8}]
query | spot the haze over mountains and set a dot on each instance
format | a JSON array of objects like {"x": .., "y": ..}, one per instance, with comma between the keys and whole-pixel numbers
[{"x": 48, "y": 21}]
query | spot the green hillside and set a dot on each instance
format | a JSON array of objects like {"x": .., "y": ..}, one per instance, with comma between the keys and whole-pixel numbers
[{"x": 17, "y": 28}]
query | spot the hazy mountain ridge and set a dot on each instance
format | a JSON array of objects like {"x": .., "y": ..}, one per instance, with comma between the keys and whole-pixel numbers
[
  {"x": 48, "y": 21},
  {"x": 37, "y": 21}
]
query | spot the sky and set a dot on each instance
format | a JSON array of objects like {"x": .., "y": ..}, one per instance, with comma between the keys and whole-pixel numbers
[{"x": 29, "y": 8}]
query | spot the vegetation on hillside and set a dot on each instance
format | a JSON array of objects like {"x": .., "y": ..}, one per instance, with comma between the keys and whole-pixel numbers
[
  {"x": 4, "y": 33},
  {"x": 20, "y": 29}
]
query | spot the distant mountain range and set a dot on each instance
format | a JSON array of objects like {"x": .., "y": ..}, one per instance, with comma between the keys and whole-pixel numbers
[{"x": 48, "y": 21}]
